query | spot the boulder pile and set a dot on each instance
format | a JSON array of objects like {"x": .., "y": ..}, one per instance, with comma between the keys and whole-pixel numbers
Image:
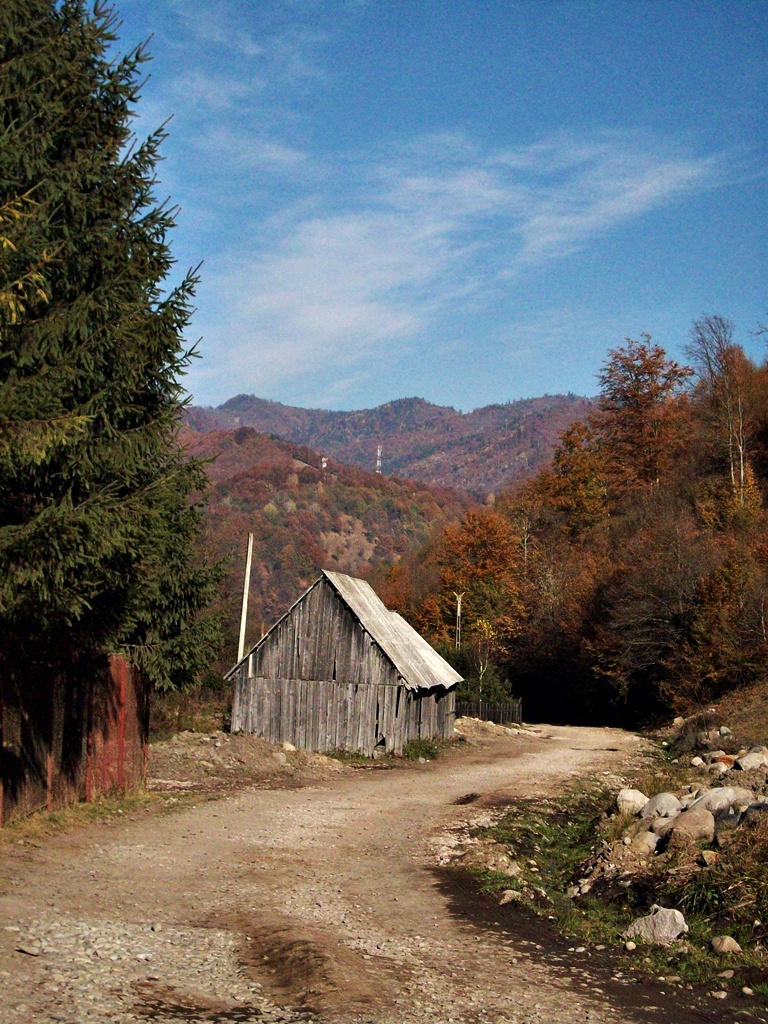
[{"x": 683, "y": 832}]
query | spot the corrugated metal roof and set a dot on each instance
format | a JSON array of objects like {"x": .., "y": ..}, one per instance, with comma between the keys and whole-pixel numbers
[{"x": 419, "y": 664}]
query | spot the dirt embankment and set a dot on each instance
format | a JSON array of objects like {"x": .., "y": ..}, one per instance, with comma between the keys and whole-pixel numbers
[{"x": 321, "y": 902}]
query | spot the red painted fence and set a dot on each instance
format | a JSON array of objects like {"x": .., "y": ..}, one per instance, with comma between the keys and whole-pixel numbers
[{"x": 68, "y": 739}]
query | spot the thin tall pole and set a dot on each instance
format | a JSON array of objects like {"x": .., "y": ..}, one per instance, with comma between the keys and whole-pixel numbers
[
  {"x": 246, "y": 585},
  {"x": 458, "y": 618}
]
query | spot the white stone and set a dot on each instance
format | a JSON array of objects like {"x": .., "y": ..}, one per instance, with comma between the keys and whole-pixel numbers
[
  {"x": 719, "y": 801},
  {"x": 725, "y": 944},
  {"x": 696, "y": 762},
  {"x": 663, "y": 805},
  {"x": 754, "y": 759},
  {"x": 289, "y": 747},
  {"x": 661, "y": 926},
  {"x": 631, "y": 801}
]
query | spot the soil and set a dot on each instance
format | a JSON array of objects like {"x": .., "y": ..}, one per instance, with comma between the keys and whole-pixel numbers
[{"x": 308, "y": 890}]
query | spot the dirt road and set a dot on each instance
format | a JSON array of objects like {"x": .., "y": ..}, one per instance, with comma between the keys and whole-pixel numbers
[{"x": 309, "y": 903}]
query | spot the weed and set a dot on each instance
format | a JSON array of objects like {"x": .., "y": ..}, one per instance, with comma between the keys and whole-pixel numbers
[
  {"x": 348, "y": 756},
  {"x": 428, "y": 749}
]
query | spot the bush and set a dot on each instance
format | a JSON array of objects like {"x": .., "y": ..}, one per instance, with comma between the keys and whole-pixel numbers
[{"x": 428, "y": 749}]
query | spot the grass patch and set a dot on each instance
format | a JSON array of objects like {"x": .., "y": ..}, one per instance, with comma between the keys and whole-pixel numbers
[
  {"x": 560, "y": 837},
  {"x": 428, "y": 749},
  {"x": 42, "y": 824},
  {"x": 348, "y": 756}
]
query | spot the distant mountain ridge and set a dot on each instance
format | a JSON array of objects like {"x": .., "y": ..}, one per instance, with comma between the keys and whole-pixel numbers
[
  {"x": 480, "y": 451},
  {"x": 305, "y": 517}
]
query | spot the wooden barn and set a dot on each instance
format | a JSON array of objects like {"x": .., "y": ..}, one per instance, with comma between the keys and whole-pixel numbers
[{"x": 339, "y": 671}]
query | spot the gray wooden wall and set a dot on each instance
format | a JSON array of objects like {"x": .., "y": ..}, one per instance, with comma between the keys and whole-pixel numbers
[
  {"x": 323, "y": 715},
  {"x": 319, "y": 681}
]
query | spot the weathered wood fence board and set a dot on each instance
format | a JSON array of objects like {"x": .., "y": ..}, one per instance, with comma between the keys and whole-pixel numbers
[
  {"x": 507, "y": 713},
  {"x": 69, "y": 739}
]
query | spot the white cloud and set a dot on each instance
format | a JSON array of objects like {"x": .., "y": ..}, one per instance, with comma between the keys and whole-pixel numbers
[{"x": 346, "y": 275}]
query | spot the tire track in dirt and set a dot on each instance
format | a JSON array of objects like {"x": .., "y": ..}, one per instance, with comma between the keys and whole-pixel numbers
[{"x": 315, "y": 903}]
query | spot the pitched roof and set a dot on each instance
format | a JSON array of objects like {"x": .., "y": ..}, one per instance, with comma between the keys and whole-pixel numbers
[{"x": 418, "y": 664}]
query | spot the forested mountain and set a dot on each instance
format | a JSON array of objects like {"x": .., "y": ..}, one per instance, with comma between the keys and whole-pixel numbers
[
  {"x": 630, "y": 577},
  {"x": 480, "y": 451},
  {"x": 304, "y": 518}
]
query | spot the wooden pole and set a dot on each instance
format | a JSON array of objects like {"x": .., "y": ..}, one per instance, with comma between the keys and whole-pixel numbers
[{"x": 246, "y": 585}]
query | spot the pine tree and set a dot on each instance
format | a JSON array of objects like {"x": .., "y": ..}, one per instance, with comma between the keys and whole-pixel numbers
[{"x": 97, "y": 532}]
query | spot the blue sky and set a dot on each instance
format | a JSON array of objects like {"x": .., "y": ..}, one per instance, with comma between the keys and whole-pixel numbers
[{"x": 466, "y": 200}]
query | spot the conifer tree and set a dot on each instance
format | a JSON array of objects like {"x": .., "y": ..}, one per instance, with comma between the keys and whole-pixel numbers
[{"x": 97, "y": 533}]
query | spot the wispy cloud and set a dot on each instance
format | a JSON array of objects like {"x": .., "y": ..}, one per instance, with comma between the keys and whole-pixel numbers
[
  {"x": 363, "y": 268},
  {"x": 331, "y": 260}
]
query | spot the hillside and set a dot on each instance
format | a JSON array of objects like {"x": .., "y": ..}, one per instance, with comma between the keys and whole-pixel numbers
[
  {"x": 304, "y": 518},
  {"x": 481, "y": 451}
]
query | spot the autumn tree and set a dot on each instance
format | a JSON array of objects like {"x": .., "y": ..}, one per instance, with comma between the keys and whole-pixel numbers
[
  {"x": 724, "y": 377},
  {"x": 639, "y": 414},
  {"x": 577, "y": 486}
]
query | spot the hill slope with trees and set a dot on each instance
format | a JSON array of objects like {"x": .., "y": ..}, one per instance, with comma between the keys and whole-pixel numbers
[
  {"x": 305, "y": 518},
  {"x": 480, "y": 451},
  {"x": 631, "y": 577}
]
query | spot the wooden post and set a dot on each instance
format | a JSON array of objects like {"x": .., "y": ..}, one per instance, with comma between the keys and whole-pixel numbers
[
  {"x": 246, "y": 585},
  {"x": 122, "y": 672},
  {"x": 2, "y": 744}
]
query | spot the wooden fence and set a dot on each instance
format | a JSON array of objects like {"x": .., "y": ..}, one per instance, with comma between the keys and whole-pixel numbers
[
  {"x": 509, "y": 713},
  {"x": 69, "y": 739}
]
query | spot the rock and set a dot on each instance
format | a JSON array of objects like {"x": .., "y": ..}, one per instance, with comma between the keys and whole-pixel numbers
[
  {"x": 30, "y": 948},
  {"x": 663, "y": 805},
  {"x": 708, "y": 857},
  {"x": 631, "y": 801},
  {"x": 729, "y": 760},
  {"x": 723, "y": 944},
  {"x": 509, "y": 896},
  {"x": 754, "y": 759},
  {"x": 678, "y": 721},
  {"x": 572, "y": 892},
  {"x": 660, "y": 927},
  {"x": 719, "y": 994},
  {"x": 725, "y": 731},
  {"x": 644, "y": 843},
  {"x": 660, "y": 826},
  {"x": 289, "y": 747},
  {"x": 630, "y": 946},
  {"x": 280, "y": 757},
  {"x": 726, "y": 974},
  {"x": 697, "y": 762},
  {"x": 747, "y": 991},
  {"x": 713, "y": 755},
  {"x": 697, "y": 822},
  {"x": 729, "y": 820},
  {"x": 720, "y": 801},
  {"x": 718, "y": 768}
]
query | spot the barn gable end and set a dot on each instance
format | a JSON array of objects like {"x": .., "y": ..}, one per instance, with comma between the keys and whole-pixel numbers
[{"x": 340, "y": 671}]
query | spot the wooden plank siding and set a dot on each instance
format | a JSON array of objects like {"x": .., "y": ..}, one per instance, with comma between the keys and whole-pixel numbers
[
  {"x": 320, "y": 715},
  {"x": 320, "y": 680}
]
